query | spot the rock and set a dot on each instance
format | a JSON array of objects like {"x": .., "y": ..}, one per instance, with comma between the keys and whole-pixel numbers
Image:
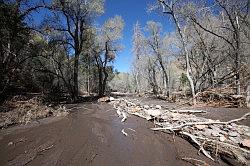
[
  {"x": 200, "y": 127},
  {"x": 222, "y": 138},
  {"x": 104, "y": 99},
  {"x": 236, "y": 140},
  {"x": 207, "y": 132},
  {"x": 148, "y": 117},
  {"x": 216, "y": 128},
  {"x": 136, "y": 109},
  {"x": 146, "y": 106},
  {"x": 247, "y": 132},
  {"x": 233, "y": 134},
  {"x": 154, "y": 113},
  {"x": 246, "y": 143},
  {"x": 215, "y": 134},
  {"x": 10, "y": 143},
  {"x": 215, "y": 131},
  {"x": 158, "y": 107},
  {"x": 111, "y": 98},
  {"x": 174, "y": 115},
  {"x": 233, "y": 124},
  {"x": 229, "y": 126}
]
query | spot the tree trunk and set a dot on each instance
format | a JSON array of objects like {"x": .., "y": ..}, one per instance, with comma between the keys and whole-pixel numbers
[
  {"x": 237, "y": 68},
  {"x": 75, "y": 77},
  {"x": 155, "y": 87},
  {"x": 188, "y": 69},
  {"x": 104, "y": 81},
  {"x": 137, "y": 82},
  {"x": 100, "y": 86},
  {"x": 166, "y": 78}
]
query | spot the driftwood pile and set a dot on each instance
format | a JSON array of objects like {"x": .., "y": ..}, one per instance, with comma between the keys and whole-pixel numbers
[
  {"x": 212, "y": 137},
  {"x": 221, "y": 98}
]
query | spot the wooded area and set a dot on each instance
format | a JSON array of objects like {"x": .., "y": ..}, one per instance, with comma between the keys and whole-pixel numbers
[
  {"x": 208, "y": 50},
  {"x": 67, "y": 54}
]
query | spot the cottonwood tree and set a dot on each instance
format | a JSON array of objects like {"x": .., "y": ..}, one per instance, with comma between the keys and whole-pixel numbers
[
  {"x": 234, "y": 15},
  {"x": 152, "y": 74},
  {"x": 156, "y": 44},
  {"x": 106, "y": 46},
  {"x": 139, "y": 47},
  {"x": 171, "y": 8},
  {"x": 72, "y": 19},
  {"x": 207, "y": 54}
]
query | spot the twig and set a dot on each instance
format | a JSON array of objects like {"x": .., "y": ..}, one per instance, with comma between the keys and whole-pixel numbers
[
  {"x": 201, "y": 146},
  {"x": 47, "y": 148},
  {"x": 239, "y": 119},
  {"x": 93, "y": 157},
  {"x": 124, "y": 116},
  {"x": 195, "y": 161},
  {"x": 124, "y": 133},
  {"x": 131, "y": 129}
]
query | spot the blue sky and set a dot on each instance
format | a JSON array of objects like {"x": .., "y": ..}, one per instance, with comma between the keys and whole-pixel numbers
[{"x": 131, "y": 11}]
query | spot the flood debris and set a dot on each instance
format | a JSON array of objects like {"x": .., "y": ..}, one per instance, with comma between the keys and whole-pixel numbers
[
  {"x": 131, "y": 129},
  {"x": 222, "y": 97},
  {"x": 15, "y": 142},
  {"x": 124, "y": 115},
  {"x": 195, "y": 162},
  {"x": 106, "y": 99},
  {"x": 213, "y": 138},
  {"x": 23, "y": 111},
  {"x": 30, "y": 154},
  {"x": 124, "y": 133}
]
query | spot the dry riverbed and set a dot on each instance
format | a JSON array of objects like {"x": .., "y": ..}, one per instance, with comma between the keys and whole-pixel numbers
[{"x": 92, "y": 135}]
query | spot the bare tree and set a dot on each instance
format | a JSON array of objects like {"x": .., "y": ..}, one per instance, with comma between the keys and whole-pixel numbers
[
  {"x": 234, "y": 15},
  {"x": 139, "y": 43},
  {"x": 170, "y": 9},
  {"x": 155, "y": 42}
]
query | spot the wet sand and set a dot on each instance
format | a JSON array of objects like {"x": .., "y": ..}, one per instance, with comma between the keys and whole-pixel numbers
[{"x": 91, "y": 135}]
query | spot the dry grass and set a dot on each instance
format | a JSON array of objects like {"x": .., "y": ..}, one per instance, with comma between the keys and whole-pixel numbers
[{"x": 23, "y": 111}]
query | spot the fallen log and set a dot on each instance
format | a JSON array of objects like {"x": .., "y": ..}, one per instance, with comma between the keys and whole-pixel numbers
[
  {"x": 212, "y": 146},
  {"x": 193, "y": 138},
  {"x": 188, "y": 111},
  {"x": 225, "y": 148},
  {"x": 142, "y": 116},
  {"x": 202, "y": 123}
]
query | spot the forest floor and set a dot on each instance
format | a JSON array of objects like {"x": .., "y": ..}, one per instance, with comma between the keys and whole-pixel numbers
[{"x": 92, "y": 135}]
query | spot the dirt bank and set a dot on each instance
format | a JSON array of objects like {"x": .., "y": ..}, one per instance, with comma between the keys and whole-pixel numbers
[{"x": 91, "y": 135}]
